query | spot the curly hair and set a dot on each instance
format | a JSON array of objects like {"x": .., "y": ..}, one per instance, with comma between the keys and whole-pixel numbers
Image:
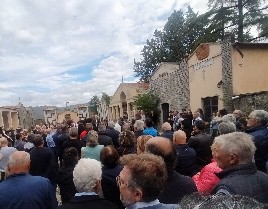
[{"x": 126, "y": 139}]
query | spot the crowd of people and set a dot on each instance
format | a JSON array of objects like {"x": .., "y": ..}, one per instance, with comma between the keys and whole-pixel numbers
[{"x": 186, "y": 163}]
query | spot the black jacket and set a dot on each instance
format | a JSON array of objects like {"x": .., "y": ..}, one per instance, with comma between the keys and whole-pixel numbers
[
  {"x": 244, "y": 180},
  {"x": 114, "y": 135},
  {"x": 104, "y": 139},
  {"x": 89, "y": 202}
]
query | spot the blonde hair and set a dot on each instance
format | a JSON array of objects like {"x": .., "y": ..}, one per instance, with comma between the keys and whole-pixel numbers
[
  {"x": 141, "y": 143},
  {"x": 92, "y": 139}
]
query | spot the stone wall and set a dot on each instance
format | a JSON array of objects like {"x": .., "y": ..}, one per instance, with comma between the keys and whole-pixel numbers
[
  {"x": 173, "y": 87},
  {"x": 249, "y": 102}
]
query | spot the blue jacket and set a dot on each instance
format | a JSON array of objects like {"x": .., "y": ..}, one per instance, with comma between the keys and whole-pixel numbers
[
  {"x": 150, "y": 131},
  {"x": 23, "y": 191},
  {"x": 260, "y": 138}
]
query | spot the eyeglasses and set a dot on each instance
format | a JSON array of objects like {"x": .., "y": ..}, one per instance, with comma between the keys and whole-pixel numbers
[{"x": 119, "y": 182}]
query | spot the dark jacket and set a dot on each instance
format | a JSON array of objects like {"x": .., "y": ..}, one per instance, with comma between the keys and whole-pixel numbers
[
  {"x": 167, "y": 134},
  {"x": 201, "y": 143},
  {"x": 65, "y": 182},
  {"x": 109, "y": 186},
  {"x": 26, "y": 191},
  {"x": 78, "y": 144},
  {"x": 89, "y": 202},
  {"x": 186, "y": 160},
  {"x": 104, "y": 139},
  {"x": 260, "y": 138},
  {"x": 114, "y": 135},
  {"x": 244, "y": 180},
  {"x": 176, "y": 187},
  {"x": 43, "y": 163}
]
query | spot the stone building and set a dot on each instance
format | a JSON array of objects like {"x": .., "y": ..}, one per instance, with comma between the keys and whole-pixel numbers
[
  {"x": 16, "y": 117},
  {"x": 121, "y": 104},
  {"x": 170, "y": 83},
  {"x": 220, "y": 71}
]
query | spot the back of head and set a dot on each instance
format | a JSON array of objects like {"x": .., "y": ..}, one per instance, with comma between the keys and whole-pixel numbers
[
  {"x": 126, "y": 138},
  {"x": 3, "y": 141},
  {"x": 226, "y": 127},
  {"x": 228, "y": 118},
  {"x": 111, "y": 124},
  {"x": 179, "y": 137},
  {"x": 92, "y": 139},
  {"x": 238, "y": 143},
  {"x": 70, "y": 157},
  {"x": 86, "y": 175},
  {"x": 109, "y": 156},
  {"x": 166, "y": 126},
  {"x": 164, "y": 148},
  {"x": 139, "y": 125},
  {"x": 73, "y": 132},
  {"x": 19, "y": 162},
  {"x": 148, "y": 122},
  {"x": 200, "y": 125},
  {"x": 141, "y": 143},
  {"x": 38, "y": 140},
  {"x": 18, "y": 136},
  {"x": 148, "y": 173}
]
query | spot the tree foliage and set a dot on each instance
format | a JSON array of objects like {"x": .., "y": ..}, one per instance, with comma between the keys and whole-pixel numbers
[
  {"x": 106, "y": 98},
  {"x": 148, "y": 102},
  {"x": 239, "y": 16},
  {"x": 94, "y": 101}
]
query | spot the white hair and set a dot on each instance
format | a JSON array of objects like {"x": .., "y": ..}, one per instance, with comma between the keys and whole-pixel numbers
[
  {"x": 86, "y": 174},
  {"x": 226, "y": 127},
  {"x": 111, "y": 124},
  {"x": 260, "y": 115},
  {"x": 238, "y": 143},
  {"x": 166, "y": 126},
  {"x": 228, "y": 118},
  {"x": 139, "y": 124}
]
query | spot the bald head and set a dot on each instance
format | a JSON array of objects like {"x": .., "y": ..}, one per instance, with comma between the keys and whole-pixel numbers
[
  {"x": 164, "y": 148},
  {"x": 161, "y": 143},
  {"x": 19, "y": 162},
  {"x": 3, "y": 142},
  {"x": 179, "y": 137}
]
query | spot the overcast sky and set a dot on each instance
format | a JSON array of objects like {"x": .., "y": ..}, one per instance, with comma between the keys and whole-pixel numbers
[{"x": 53, "y": 52}]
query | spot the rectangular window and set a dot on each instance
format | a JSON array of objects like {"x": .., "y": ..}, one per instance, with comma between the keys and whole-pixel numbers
[{"x": 210, "y": 105}]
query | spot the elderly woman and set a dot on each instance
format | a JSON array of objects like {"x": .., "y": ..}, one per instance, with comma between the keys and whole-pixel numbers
[
  {"x": 93, "y": 149},
  {"x": 167, "y": 133},
  {"x": 127, "y": 144},
  {"x": 111, "y": 168},
  {"x": 234, "y": 154}
]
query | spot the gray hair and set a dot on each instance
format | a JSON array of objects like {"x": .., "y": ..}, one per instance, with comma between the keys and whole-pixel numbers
[
  {"x": 139, "y": 124},
  {"x": 86, "y": 174},
  {"x": 166, "y": 126},
  {"x": 260, "y": 115},
  {"x": 73, "y": 132},
  {"x": 238, "y": 143},
  {"x": 226, "y": 128},
  {"x": 111, "y": 124},
  {"x": 228, "y": 118},
  {"x": 15, "y": 161}
]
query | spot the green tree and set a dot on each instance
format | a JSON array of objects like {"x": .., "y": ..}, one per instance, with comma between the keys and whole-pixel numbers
[
  {"x": 147, "y": 102},
  {"x": 106, "y": 98},
  {"x": 181, "y": 35},
  {"x": 239, "y": 16},
  {"x": 94, "y": 101}
]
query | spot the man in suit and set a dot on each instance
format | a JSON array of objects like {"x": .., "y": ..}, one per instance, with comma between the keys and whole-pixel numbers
[
  {"x": 87, "y": 181},
  {"x": 141, "y": 181},
  {"x": 21, "y": 190}
]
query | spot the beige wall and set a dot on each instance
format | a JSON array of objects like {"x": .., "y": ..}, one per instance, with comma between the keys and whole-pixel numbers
[
  {"x": 204, "y": 76},
  {"x": 164, "y": 68},
  {"x": 250, "y": 74},
  {"x": 73, "y": 116}
]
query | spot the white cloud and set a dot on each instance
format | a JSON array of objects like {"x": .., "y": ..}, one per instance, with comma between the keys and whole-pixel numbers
[{"x": 45, "y": 44}]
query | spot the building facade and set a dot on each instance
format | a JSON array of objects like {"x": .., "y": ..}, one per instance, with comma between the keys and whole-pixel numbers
[{"x": 122, "y": 102}]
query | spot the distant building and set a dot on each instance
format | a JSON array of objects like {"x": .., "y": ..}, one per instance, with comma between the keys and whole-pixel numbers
[
  {"x": 122, "y": 102},
  {"x": 16, "y": 117},
  {"x": 103, "y": 110}
]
